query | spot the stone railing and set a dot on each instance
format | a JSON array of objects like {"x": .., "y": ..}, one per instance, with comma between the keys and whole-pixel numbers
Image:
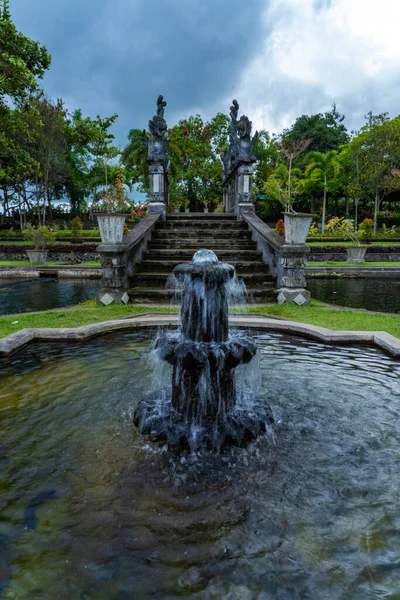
[
  {"x": 286, "y": 261},
  {"x": 118, "y": 260}
]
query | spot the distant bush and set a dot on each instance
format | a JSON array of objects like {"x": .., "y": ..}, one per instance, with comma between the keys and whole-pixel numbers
[
  {"x": 388, "y": 218},
  {"x": 366, "y": 229},
  {"x": 76, "y": 227}
]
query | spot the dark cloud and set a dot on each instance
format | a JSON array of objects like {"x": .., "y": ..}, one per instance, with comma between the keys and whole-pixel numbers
[{"x": 117, "y": 56}]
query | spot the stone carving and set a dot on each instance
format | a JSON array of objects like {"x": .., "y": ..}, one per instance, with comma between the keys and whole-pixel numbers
[
  {"x": 246, "y": 142},
  {"x": 241, "y": 144},
  {"x": 158, "y": 146}
]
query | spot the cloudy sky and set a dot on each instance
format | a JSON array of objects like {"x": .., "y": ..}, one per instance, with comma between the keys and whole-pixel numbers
[{"x": 279, "y": 58}]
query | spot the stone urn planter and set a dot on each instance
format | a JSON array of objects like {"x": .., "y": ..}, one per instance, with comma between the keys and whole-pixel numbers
[
  {"x": 187, "y": 210},
  {"x": 37, "y": 256},
  {"x": 356, "y": 254},
  {"x": 297, "y": 226},
  {"x": 205, "y": 210},
  {"x": 111, "y": 227}
]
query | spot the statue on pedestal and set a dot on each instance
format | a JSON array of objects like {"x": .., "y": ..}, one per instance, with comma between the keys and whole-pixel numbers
[
  {"x": 241, "y": 144},
  {"x": 158, "y": 146}
]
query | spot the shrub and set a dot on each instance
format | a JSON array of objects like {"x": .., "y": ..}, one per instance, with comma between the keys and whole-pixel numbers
[
  {"x": 126, "y": 229},
  {"x": 341, "y": 226},
  {"x": 138, "y": 213},
  {"x": 40, "y": 237},
  {"x": 366, "y": 228},
  {"x": 76, "y": 227},
  {"x": 313, "y": 230},
  {"x": 280, "y": 227}
]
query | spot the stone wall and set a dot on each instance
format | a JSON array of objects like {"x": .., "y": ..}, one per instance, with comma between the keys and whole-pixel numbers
[
  {"x": 73, "y": 253},
  {"x": 338, "y": 253}
]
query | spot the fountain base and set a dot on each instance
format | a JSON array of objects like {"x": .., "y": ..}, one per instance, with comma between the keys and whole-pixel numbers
[{"x": 156, "y": 417}]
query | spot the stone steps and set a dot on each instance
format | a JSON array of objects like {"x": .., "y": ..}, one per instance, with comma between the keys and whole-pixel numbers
[
  {"x": 202, "y": 217},
  {"x": 139, "y": 295},
  {"x": 194, "y": 233},
  {"x": 192, "y": 245},
  {"x": 176, "y": 240},
  {"x": 160, "y": 266},
  {"x": 213, "y": 224},
  {"x": 184, "y": 255},
  {"x": 152, "y": 280}
]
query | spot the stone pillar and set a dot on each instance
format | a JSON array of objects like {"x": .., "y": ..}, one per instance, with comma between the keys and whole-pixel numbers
[
  {"x": 244, "y": 188},
  {"x": 114, "y": 281},
  {"x": 157, "y": 157},
  {"x": 158, "y": 187},
  {"x": 291, "y": 278}
]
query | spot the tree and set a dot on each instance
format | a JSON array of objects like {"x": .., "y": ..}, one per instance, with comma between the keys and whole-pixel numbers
[
  {"x": 326, "y": 131},
  {"x": 50, "y": 151},
  {"x": 292, "y": 148},
  {"x": 268, "y": 158},
  {"x": 377, "y": 148},
  {"x": 195, "y": 152},
  {"x": 134, "y": 158},
  {"x": 322, "y": 164},
  {"x": 22, "y": 63}
]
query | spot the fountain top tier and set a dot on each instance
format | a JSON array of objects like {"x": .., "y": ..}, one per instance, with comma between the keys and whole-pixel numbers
[{"x": 204, "y": 312}]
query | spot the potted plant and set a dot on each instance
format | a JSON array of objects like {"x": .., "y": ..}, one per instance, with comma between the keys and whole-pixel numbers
[
  {"x": 40, "y": 238},
  {"x": 343, "y": 227},
  {"x": 297, "y": 225},
  {"x": 112, "y": 207}
]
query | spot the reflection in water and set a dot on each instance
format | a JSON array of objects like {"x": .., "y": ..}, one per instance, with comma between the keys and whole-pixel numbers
[
  {"x": 18, "y": 296},
  {"x": 372, "y": 294},
  {"x": 310, "y": 511}
]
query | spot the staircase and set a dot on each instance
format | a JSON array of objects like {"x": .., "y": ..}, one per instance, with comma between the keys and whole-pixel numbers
[{"x": 175, "y": 241}]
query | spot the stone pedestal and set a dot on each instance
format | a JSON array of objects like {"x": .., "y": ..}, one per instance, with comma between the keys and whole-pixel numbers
[
  {"x": 291, "y": 278},
  {"x": 114, "y": 281},
  {"x": 158, "y": 187},
  {"x": 238, "y": 189}
]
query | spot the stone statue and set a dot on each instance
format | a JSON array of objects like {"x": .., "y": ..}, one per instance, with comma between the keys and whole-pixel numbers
[
  {"x": 241, "y": 145},
  {"x": 158, "y": 146},
  {"x": 246, "y": 143}
]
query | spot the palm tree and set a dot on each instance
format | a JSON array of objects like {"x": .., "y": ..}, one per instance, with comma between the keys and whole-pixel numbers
[{"x": 322, "y": 163}]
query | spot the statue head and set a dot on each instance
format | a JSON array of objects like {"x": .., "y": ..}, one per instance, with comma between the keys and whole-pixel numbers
[{"x": 244, "y": 128}]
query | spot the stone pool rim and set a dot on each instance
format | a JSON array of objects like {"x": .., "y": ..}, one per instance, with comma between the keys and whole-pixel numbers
[{"x": 380, "y": 339}]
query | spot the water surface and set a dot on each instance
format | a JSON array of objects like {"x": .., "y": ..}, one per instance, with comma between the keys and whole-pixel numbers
[
  {"x": 89, "y": 510},
  {"x": 17, "y": 296},
  {"x": 372, "y": 294}
]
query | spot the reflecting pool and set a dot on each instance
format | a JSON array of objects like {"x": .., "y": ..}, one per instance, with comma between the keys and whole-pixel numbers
[
  {"x": 372, "y": 294},
  {"x": 90, "y": 510},
  {"x": 17, "y": 296}
]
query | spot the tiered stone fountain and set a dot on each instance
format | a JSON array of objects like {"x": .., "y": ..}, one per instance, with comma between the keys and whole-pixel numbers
[{"x": 205, "y": 408}]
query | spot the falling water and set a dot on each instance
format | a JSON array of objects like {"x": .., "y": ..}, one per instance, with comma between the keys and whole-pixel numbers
[{"x": 205, "y": 407}]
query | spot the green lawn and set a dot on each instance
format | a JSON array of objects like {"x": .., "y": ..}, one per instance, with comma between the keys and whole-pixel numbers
[
  {"x": 372, "y": 244},
  {"x": 316, "y": 314},
  {"x": 333, "y": 318},
  {"x": 24, "y": 263},
  {"x": 334, "y": 263}
]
